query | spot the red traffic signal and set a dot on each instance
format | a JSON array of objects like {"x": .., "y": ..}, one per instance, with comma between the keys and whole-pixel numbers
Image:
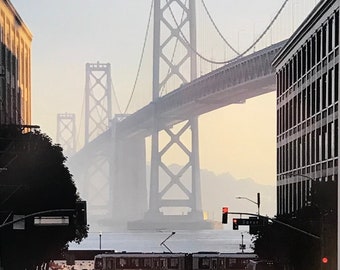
[
  {"x": 225, "y": 215},
  {"x": 235, "y": 224},
  {"x": 324, "y": 260}
]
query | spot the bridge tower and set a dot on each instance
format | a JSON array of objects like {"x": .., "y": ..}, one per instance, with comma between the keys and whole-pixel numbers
[
  {"x": 103, "y": 172},
  {"x": 96, "y": 186},
  {"x": 66, "y": 132},
  {"x": 98, "y": 101},
  {"x": 173, "y": 31}
]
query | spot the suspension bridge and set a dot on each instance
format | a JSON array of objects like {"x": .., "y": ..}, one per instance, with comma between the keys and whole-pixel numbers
[{"x": 111, "y": 167}]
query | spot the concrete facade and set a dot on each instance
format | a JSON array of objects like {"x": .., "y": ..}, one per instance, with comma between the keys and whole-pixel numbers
[
  {"x": 307, "y": 73},
  {"x": 15, "y": 67}
]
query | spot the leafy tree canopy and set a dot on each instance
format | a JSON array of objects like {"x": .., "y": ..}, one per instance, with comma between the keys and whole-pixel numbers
[
  {"x": 288, "y": 246},
  {"x": 34, "y": 178}
]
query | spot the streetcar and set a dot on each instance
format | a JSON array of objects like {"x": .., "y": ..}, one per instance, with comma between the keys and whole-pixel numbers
[
  {"x": 172, "y": 261},
  {"x": 263, "y": 265},
  {"x": 221, "y": 261}
]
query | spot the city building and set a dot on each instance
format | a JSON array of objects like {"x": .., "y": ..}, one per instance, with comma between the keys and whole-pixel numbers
[
  {"x": 15, "y": 67},
  {"x": 307, "y": 71}
]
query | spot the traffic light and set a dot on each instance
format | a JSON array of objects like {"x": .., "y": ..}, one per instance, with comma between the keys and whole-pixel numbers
[
  {"x": 225, "y": 215},
  {"x": 81, "y": 212},
  {"x": 324, "y": 260},
  {"x": 235, "y": 224},
  {"x": 253, "y": 229}
]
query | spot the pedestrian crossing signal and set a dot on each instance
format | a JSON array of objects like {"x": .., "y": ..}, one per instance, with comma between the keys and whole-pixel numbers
[{"x": 225, "y": 215}]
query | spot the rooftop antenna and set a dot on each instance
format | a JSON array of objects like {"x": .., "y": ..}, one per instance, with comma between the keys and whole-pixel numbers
[{"x": 163, "y": 242}]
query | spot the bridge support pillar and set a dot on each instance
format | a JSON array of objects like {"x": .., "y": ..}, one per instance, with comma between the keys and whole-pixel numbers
[
  {"x": 129, "y": 185},
  {"x": 175, "y": 194}
]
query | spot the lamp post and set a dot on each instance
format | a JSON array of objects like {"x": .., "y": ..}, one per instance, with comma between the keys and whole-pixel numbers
[
  {"x": 257, "y": 203},
  {"x": 100, "y": 241}
]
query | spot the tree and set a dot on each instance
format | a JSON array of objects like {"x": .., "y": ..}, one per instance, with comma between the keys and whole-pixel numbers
[
  {"x": 288, "y": 246},
  {"x": 34, "y": 178}
]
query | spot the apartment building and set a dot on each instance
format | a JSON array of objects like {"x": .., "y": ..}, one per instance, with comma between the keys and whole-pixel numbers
[
  {"x": 15, "y": 67},
  {"x": 307, "y": 75}
]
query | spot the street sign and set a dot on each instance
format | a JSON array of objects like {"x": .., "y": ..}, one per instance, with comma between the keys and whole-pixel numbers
[
  {"x": 51, "y": 221},
  {"x": 249, "y": 222}
]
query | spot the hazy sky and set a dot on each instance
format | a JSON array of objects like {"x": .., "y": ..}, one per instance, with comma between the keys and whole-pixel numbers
[{"x": 239, "y": 139}]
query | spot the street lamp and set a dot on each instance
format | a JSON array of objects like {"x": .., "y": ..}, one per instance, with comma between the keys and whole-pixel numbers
[
  {"x": 257, "y": 203},
  {"x": 100, "y": 241}
]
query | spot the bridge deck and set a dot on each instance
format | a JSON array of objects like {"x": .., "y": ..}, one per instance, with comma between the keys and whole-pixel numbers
[{"x": 235, "y": 82}]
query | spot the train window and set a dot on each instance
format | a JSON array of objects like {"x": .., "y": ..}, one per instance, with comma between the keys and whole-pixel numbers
[
  {"x": 147, "y": 263},
  {"x": 98, "y": 263},
  {"x": 173, "y": 263},
  {"x": 156, "y": 263},
  {"x": 109, "y": 264},
  {"x": 232, "y": 262},
  {"x": 214, "y": 263},
  {"x": 163, "y": 263},
  {"x": 244, "y": 261},
  {"x": 134, "y": 262},
  {"x": 204, "y": 263},
  {"x": 121, "y": 263}
]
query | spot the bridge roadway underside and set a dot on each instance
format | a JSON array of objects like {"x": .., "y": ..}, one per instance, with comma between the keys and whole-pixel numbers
[
  {"x": 236, "y": 82},
  {"x": 141, "y": 123}
]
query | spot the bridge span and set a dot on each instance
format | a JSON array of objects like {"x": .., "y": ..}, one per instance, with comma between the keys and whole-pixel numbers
[
  {"x": 244, "y": 78},
  {"x": 122, "y": 147}
]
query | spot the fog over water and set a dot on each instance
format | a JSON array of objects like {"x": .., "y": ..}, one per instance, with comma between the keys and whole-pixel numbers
[
  {"x": 68, "y": 34},
  {"x": 236, "y": 142},
  {"x": 181, "y": 241}
]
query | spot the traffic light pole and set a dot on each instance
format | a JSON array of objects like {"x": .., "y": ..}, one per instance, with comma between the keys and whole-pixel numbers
[{"x": 279, "y": 222}]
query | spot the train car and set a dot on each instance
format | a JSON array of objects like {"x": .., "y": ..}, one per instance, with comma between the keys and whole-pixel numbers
[
  {"x": 263, "y": 265},
  {"x": 173, "y": 261},
  {"x": 142, "y": 261},
  {"x": 221, "y": 261}
]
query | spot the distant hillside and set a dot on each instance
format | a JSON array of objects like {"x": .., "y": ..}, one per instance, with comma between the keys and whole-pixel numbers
[{"x": 222, "y": 190}]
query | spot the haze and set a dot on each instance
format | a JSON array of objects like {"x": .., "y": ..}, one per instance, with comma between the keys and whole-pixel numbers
[{"x": 239, "y": 139}]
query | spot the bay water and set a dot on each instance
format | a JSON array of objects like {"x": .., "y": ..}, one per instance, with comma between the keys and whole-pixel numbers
[{"x": 224, "y": 240}]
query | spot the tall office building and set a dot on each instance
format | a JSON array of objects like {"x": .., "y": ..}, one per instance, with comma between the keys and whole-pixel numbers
[
  {"x": 307, "y": 71},
  {"x": 15, "y": 67}
]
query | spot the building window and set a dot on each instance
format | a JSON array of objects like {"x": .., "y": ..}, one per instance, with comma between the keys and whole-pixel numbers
[{"x": 330, "y": 34}]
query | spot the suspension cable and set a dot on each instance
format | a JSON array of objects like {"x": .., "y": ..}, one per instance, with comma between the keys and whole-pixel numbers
[
  {"x": 216, "y": 28},
  {"x": 141, "y": 58},
  {"x": 115, "y": 97},
  {"x": 266, "y": 30},
  {"x": 241, "y": 54}
]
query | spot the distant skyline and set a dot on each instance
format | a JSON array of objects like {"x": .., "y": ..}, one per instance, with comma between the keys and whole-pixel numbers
[{"x": 239, "y": 139}]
